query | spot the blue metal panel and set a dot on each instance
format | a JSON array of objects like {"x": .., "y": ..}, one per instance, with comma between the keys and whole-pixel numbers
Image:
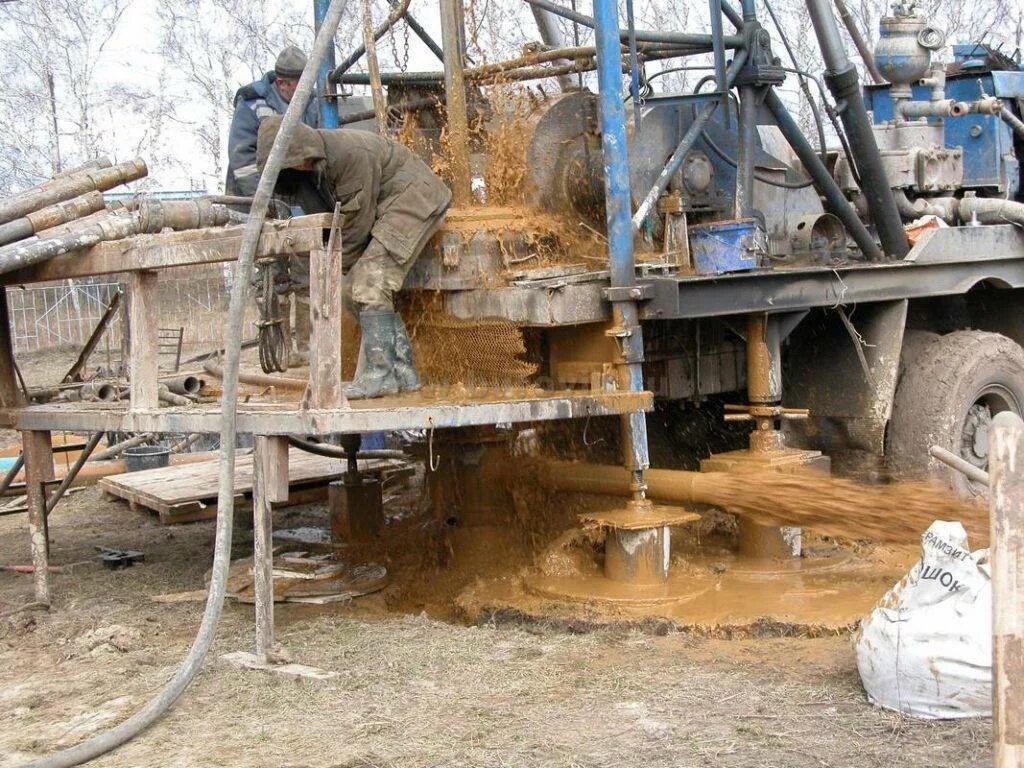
[
  {"x": 328, "y": 108},
  {"x": 989, "y": 161}
]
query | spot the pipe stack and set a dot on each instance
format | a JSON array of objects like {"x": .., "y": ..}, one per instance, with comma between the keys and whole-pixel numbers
[{"x": 68, "y": 213}]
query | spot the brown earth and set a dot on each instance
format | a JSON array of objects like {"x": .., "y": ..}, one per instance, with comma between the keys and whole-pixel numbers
[{"x": 416, "y": 687}]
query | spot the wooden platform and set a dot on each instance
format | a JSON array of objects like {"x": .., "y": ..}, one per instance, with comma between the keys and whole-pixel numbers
[
  {"x": 431, "y": 408},
  {"x": 185, "y": 493}
]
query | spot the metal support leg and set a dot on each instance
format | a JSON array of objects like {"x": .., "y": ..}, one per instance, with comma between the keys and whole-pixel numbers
[
  {"x": 38, "y": 453},
  {"x": 745, "y": 152}
]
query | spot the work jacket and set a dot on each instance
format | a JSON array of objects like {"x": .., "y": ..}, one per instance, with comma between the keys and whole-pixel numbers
[
  {"x": 386, "y": 192},
  {"x": 254, "y": 103}
]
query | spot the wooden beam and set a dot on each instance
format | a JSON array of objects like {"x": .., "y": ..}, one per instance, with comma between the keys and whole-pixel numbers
[
  {"x": 374, "y": 415},
  {"x": 266, "y": 466},
  {"x": 143, "y": 350},
  {"x": 276, "y": 448},
  {"x": 11, "y": 395},
  {"x": 38, "y": 452},
  {"x": 325, "y": 308},
  {"x": 75, "y": 371},
  {"x": 175, "y": 249}
]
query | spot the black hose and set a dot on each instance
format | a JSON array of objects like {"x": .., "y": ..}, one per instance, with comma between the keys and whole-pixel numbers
[{"x": 337, "y": 452}]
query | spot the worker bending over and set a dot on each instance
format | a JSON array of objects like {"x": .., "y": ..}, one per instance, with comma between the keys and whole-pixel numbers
[{"x": 392, "y": 204}]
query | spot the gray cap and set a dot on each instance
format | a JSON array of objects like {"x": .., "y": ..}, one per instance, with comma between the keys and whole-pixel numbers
[{"x": 290, "y": 63}]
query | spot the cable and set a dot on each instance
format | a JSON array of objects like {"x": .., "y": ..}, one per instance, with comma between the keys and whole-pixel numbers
[{"x": 145, "y": 717}]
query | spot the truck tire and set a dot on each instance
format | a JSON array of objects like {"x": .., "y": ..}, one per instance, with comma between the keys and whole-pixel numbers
[{"x": 947, "y": 396}]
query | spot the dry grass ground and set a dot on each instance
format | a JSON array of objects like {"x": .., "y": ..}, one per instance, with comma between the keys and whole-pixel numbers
[{"x": 414, "y": 690}]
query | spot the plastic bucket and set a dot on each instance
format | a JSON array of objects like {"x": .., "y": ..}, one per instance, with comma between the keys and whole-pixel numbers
[
  {"x": 727, "y": 246},
  {"x": 146, "y": 457}
]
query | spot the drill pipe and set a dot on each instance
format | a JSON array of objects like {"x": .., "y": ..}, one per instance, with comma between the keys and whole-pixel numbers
[
  {"x": 152, "y": 216},
  {"x": 667, "y": 485},
  {"x": 65, "y": 188},
  {"x": 53, "y": 216},
  {"x": 95, "y": 164}
]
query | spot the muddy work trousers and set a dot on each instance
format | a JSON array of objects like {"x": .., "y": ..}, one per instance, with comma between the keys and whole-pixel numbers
[{"x": 377, "y": 274}]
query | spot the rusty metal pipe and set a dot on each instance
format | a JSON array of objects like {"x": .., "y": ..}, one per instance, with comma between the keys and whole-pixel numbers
[
  {"x": 185, "y": 385},
  {"x": 92, "y": 165},
  {"x": 58, "y": 190},
  {"x": 256, "y": 379},
  {"x": 151, "y": 216},
  {"x": 51, "y": 216},
  {"x": 667, "y": 485}
]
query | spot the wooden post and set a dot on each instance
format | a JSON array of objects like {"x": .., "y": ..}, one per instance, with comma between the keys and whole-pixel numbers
[
  {"x": 143, "y": 347},
  {"x": 325, "y": 309},
  {"x": 11, "y": 395},
  {"x": 455, "y": 101},
  {"x": 270, "y": 484},
  {"x": 38, "y": 453},
  {"x": 1006, "y": 508}
]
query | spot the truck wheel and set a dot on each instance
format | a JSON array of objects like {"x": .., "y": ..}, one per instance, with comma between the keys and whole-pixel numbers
[{"x": 947, "y": 396}]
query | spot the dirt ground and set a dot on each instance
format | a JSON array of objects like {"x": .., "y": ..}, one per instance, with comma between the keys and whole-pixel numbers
[{"x": 415, "y": 687}]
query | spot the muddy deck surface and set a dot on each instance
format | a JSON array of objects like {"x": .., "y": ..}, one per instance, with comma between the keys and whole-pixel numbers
[{"x": 417, "y": 687}]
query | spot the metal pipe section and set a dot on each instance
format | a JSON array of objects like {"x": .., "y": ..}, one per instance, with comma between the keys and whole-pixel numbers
[
  {"x": 642, "y": 35},
  {"x": 66, "y": 188},
  {"x": 151, "y": 216},
  {"x": 842, "y": 80},
  {"x": 835, "y": 201},
  {"x": 52, "y": 216},
  {"x": 866, "y": 54},
  {"x": 950, "y": 459},
  {"x": 326, "y": 95},
  {"x": 455, "y": 105},
  {"x": 746, "y": 149},
  {"x": 90, "y": 165},
  {"x": 621, "y": 263},
  {"x": 552, "y": 38},
  {"x": 1015, "y": 123},
  {"x": 1006, "y": 559},
  {"x": 675, "y": 162}
]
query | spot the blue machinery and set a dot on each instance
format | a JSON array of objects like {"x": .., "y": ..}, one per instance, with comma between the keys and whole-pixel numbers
[{"x": 824, "y": 231}]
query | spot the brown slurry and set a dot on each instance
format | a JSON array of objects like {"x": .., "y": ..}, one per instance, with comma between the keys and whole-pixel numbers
[{"x": 897, "y": 513}]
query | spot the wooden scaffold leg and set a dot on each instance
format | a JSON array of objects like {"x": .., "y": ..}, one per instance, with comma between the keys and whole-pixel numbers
[{"x": 38, "y": 452}]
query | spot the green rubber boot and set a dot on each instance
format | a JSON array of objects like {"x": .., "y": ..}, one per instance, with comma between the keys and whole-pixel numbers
[
  {"x": 376, "y": 370},
  {"x": 405, "y": 368}
]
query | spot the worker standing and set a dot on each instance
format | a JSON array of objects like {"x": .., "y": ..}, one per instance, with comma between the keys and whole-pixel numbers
[
  {"x": 392, "y": 204},
  {"x": 254, "y": 103}
]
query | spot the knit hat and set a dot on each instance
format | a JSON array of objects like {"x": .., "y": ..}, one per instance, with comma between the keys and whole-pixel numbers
[{"x": 290, "y": 63}]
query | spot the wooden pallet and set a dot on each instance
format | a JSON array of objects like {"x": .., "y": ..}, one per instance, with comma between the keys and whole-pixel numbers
[{"x": 185, "y": 493}]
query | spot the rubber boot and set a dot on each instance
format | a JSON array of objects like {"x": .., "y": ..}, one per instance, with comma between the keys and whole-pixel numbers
[
  {"x": 376, "y": 369},
  {"x": 405, "y": 368}
]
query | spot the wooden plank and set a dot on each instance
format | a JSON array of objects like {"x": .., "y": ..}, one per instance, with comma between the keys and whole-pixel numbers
[
  {"x": 275, "y": 467},
  {"x": 265, "y": 457},
  {"x": 439, "y": 409},
  {"x": 38, "y": 470},
  {"x": 325, "y": 308},
  {"x": 175, "y": 249},
  {"x": 143, "y": 353}
]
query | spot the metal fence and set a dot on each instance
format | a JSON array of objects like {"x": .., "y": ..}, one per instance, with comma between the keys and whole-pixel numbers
[{"x": 63, "y": 315}]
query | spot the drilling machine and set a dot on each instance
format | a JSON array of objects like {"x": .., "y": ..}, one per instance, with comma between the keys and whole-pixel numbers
[{"x": 741, "y": 257}]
